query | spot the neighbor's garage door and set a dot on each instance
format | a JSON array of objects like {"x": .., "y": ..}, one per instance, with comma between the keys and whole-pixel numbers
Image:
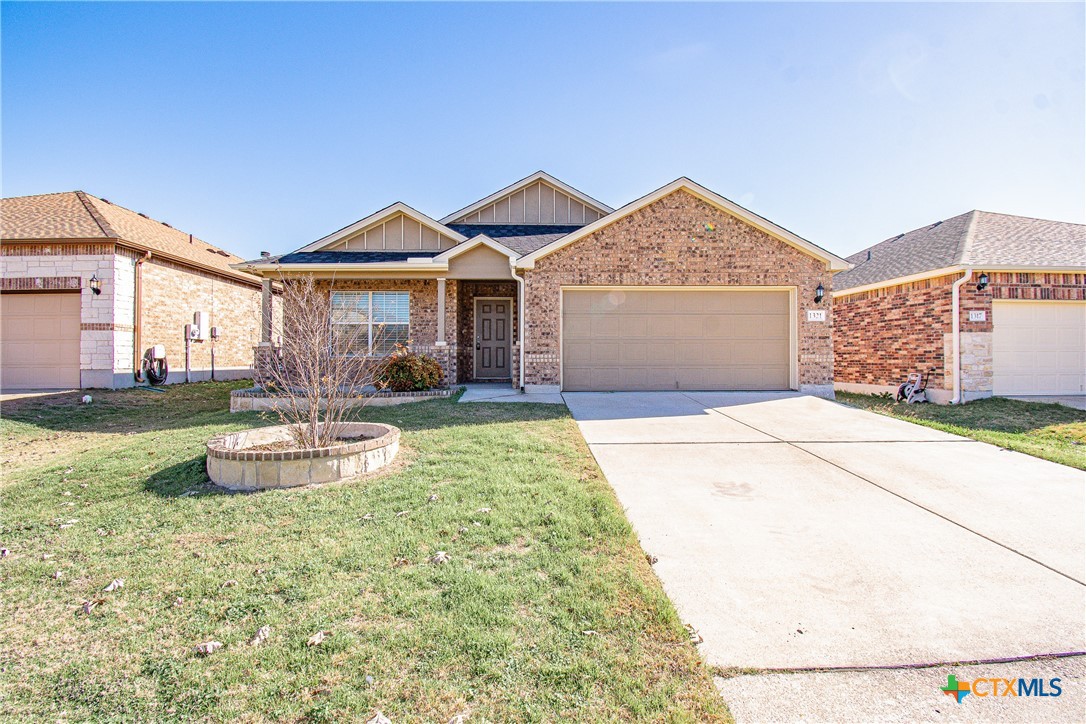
[
  {"x": 1039, "y": 348},
  {"x": 630, "y": 339},
  {"x": 39, "y": 341}
]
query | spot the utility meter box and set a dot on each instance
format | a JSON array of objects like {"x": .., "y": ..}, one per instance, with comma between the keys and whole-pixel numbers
[{"x": 201, "y": 323}]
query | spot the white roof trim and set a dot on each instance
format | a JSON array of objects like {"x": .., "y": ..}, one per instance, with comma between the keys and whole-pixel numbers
[
  {"x": 833, "y": 262},
  {"x": 397, "y": 208},
  {"x": 412, "y": 266},
  {"x": 525, "y": 182},
  {"x": 475, "y": 241}
]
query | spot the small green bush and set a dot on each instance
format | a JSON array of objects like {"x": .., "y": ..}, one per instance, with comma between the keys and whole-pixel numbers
[{"x": 410, "y": 372}]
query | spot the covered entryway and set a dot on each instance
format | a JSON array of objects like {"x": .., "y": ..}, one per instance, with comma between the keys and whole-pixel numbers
[
  {"x": 630, "y": 338},
  {"x": 39, "y": 341},
  {"x": 1038, "y": 348},
  {"x": 493, "y": 338}
]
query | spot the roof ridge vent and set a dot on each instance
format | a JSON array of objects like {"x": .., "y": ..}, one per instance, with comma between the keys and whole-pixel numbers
[
  {"x": 935, "y": 224},
  {"x": 165, "y": 224},
  {"x": 897, "y": 237},
  {"x": 140, "y": 213}
]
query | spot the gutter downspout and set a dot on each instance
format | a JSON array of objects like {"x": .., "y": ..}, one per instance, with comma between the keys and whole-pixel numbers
[
  {"x": 137, "y": 318},
  {"x": 956, "y": 327},
  {"x": 520, "y": 326}
]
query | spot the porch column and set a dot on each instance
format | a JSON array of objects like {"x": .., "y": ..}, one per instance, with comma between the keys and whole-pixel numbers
[
  {"x": 440, "y": 313},
  {"x": 266, "y": 322}
]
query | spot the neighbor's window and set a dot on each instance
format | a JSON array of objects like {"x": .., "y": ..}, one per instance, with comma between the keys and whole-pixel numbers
[{"x": 370, "y": 323}]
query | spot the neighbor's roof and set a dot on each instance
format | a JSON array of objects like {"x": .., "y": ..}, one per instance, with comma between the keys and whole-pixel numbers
[
  {"x": 973, "y": 239},
  {"x": 76, "y": 215}
]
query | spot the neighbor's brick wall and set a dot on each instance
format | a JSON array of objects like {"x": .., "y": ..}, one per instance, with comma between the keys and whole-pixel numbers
[
  {"x": 1037, "y": 286},
  {"x": 882, "y": 335},
  {"x": 667, "y": 243},
  {"x": 171, "y": 294}
]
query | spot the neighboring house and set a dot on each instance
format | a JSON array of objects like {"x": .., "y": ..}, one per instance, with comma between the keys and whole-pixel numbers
[
  {"x": 542, "y": 285},
  {"x": 991, "y": 304},
  {"x": 58, "y": 332}
]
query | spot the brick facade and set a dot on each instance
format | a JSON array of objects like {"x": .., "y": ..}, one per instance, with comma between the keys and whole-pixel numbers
[
  {"x": 171, "y": 295},
  {"x": 422, "y": 309},
  {"x": 678, "y": 240},
  {"x": 882, "y": 335}
]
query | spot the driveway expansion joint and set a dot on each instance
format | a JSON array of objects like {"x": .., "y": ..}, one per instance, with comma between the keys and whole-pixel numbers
[{"x": 843, "y": 469}]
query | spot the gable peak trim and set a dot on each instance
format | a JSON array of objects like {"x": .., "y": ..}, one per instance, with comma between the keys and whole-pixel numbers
[
  {"x": 377, "y": 217},
  {"x": 524, "y": 183}
]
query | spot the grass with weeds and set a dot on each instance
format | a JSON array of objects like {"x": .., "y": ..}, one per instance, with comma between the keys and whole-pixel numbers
[
  {"x": 547, "y": 609},
  {"x": 1049, "y": 431}
]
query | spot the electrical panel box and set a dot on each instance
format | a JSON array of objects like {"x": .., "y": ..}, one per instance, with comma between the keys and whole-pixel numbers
[{"x": 200, "y": 325}]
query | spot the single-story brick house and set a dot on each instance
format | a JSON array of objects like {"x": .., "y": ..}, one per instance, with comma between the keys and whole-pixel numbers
[
  {"x": 991, "y": 304},
  {"x": 540, "y": 285},
  {"x": 87, "y": 286}
]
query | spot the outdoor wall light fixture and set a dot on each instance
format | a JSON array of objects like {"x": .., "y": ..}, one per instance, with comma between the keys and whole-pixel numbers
[
  {"x": 820, "y": 293},
  {"x": 95, "y": 285},
  {"x": 982, "y": 282}
]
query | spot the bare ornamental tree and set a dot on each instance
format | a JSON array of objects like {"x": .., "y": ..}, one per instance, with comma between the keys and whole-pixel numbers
[{"x": 333, "y": 349}]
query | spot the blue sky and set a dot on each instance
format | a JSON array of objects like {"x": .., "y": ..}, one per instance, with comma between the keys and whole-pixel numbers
[{"x": 265, "y": 126}]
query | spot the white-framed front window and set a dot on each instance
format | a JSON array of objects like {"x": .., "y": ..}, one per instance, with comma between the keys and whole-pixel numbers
[{"x": 370, "y": 323}]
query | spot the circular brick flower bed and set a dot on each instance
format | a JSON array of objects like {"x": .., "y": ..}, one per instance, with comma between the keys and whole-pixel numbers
[{"x": 233, "y": 464}]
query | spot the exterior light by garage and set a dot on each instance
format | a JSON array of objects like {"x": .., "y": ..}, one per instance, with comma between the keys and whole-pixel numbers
[
  {"x": 982, "y": 282},
  {"x": 820, "y": 292},
  {"x": 95, "y": 284}
]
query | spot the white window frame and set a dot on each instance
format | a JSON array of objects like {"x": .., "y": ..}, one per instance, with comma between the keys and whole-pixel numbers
[{"x": 369, "y": 313}]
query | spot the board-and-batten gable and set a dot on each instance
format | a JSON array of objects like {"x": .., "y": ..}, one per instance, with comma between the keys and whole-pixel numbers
[
  {"x": 538, "y": 203},
  {"x": 396, "y": 233}
]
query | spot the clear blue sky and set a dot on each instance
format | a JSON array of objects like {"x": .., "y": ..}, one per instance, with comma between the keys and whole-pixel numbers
[{"x": 266, "y": 126}]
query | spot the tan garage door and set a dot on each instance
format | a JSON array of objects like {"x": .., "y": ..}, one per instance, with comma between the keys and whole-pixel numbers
[
  {"x": 39, "y": 341},
  {"x": 1039, "y": 348},
  {"x": 631, "y": 339}
]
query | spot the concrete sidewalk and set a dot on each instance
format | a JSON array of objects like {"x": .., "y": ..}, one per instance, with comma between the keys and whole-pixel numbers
[{"x": 502, "y": 392}]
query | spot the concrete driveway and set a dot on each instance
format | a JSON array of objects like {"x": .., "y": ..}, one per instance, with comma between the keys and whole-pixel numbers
[{"x": 796, "y": 533}]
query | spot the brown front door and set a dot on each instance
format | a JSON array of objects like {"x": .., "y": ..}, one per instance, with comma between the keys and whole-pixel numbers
[{"x": 493, "y": 320}]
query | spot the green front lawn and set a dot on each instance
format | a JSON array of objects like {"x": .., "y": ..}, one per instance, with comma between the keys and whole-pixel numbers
[
  {"x": 1052, "y": 432},
  {"x": 547, "y": 610}
]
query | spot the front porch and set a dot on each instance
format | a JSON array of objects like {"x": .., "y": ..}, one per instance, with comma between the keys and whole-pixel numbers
[
  {"x": 468, "y": 325},
  {"x": 485, "y": 337}
]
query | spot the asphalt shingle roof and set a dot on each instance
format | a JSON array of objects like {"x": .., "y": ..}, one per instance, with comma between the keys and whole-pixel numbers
[
  {"x": 975, "y": 238},
  {"x": 76, "y": 215},
  {"x": 521, "y": 238},
  {"x": 344, "y": 257}
]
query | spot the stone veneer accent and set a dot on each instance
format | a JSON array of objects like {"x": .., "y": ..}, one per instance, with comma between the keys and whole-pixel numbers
[
  {"x": 882, "y": 335},
  {"x": 668, "y": 244},
  {"x": 231, "y": 465}
]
